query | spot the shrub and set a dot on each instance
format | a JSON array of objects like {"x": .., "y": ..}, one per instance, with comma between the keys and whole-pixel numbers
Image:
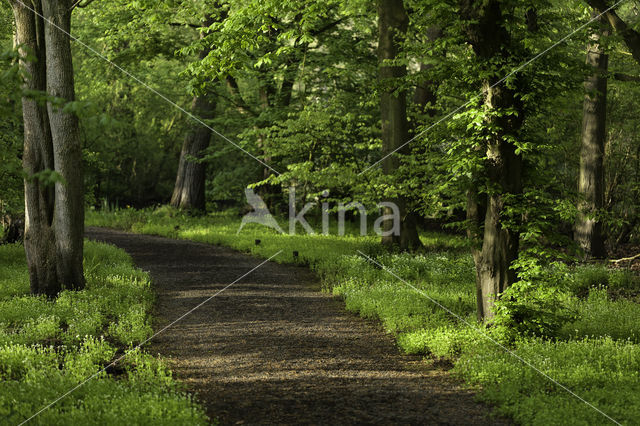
[{"x": 526, "y": 309}]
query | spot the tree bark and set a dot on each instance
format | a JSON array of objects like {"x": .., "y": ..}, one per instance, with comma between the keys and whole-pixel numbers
[
  {"x": 67, "y": 150},
  {"x": 476, "y": 212},
  {"x": 392, "y": 25},
  {"x": 499, "y": 244},
  {"x": 495, "y": 247},
  {"x": 39, "y": 238},
  {"x": 236, "y": 97},
  {"x": 588, "y": 231},
  {"x": 189, "y": 189},
  {"x": 425, "y": 95}
]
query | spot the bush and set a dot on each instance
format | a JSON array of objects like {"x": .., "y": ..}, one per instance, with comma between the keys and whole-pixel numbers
[{"x": 529, "y": 310}]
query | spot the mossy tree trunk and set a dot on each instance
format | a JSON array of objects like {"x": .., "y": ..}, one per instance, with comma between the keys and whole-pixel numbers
[
  {"x": 39, "y": 238},
  {"x": 68, "y": 214},
  {"x": 189, "y": 189}
]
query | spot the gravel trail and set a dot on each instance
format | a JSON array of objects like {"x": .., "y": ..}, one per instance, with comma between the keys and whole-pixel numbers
[{"x": 273, "y": 349}]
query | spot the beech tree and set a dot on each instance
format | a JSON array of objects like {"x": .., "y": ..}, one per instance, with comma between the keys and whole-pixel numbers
[
  {"x": 591, "y": 180},
  {"x": 591, "y": 185},
  {"x": 54, "y": 212},
  {"x": 189, "y": 189},
  {"x": 392, "y": 27},
  {"x": 495, "y": 245}
]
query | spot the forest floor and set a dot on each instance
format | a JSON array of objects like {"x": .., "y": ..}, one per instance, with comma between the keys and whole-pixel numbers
[{"x": 274, "y": 349}]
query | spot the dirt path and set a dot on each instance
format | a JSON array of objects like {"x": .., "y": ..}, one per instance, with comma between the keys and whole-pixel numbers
[{"x": 272, "y": 349}]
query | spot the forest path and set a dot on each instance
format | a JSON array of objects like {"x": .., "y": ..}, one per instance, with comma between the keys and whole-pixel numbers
[{"x": 273, "y": 349}]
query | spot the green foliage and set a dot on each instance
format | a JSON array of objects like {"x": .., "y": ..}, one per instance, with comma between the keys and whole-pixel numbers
[
  {"x": 620, "y": 281},
  {"x": 131, "y": 137},
  {"x": 296, "y": 86},
  {"x": 587, "y": 277},
  {"x": 47, "y": 347},
  {"x": 531, "y": 309},
  {"x": 599, "y": 316},
  {"x": 11, "y": 198}
]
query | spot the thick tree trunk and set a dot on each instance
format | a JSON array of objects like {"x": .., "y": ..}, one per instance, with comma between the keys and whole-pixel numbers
[
  {"x": 189, "y": 190},
  {"x": 67, "y": 150},
  {"x": 39, "y": 239},
  {"x": 495, "y": 247},
  {"x": 392, "y": 25},
  {"x": 499, "y": 245},
  {"x": 588, "y": 231}
]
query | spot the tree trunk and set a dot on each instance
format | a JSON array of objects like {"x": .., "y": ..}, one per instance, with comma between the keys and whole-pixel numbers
[
  {"x": 495, "y": 247},
  {"x": 189, "y": 190},
  {"x": 267, "y": 94},
  {"x": 39, "y": 239},
  {"x": 425, "y": 95},
  {"x": 191, "y": 179},
  {"x": 499, "y": 245},
  {"x": 286, "y": 90},
  {"x": 591, "y": 181},
  {"x": 392, "y": 23},
  {"x": 67, "y": 150},
  {"x": 476, "y": 212}
]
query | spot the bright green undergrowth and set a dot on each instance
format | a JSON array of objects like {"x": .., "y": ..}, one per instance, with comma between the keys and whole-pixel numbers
[
  {"x": 47, "y": 347},
  {"x": 595, "y": 353}
]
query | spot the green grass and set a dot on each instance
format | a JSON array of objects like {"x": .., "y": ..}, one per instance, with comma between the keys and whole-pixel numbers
[
  {"x": 47, "y": 347},
  {"x": 596, "y": 355}
]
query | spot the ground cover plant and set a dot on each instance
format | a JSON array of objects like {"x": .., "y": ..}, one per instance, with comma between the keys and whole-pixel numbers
[
  {"x": 594, "y": 349},
  {"x": 47, "y": 347}
]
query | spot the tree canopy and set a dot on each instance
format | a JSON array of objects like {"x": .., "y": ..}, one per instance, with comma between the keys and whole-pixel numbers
[{"x": 475, "y": 117}]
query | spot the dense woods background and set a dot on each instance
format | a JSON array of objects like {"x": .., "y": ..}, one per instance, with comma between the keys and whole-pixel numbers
[{"x": 549, "y": 151}]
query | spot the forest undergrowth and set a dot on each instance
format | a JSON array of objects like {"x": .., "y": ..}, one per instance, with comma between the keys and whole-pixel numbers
[{"x": 48, "y": 347}]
